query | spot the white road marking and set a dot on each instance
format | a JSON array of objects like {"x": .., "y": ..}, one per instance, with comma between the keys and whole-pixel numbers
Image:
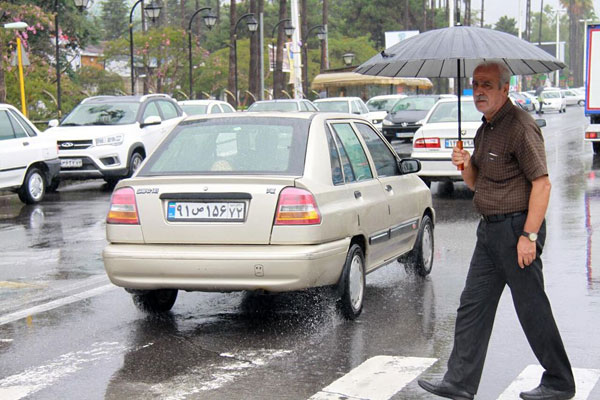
[
  {"x": 585, "y": 380},
  {"x": 20, "y": 385},
  {"x": 5, "y": 319},
  {"x": 378, "y": 378}
]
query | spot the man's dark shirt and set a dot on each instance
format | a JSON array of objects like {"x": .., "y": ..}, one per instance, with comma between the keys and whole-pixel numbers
[{"x": 509, "y": 153}]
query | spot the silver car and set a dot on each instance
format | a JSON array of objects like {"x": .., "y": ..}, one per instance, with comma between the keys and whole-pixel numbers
[{"x": 269, "y": 202}]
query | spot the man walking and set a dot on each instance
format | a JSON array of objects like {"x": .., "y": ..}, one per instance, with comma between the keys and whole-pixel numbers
[{"x": 508, "y": 173}]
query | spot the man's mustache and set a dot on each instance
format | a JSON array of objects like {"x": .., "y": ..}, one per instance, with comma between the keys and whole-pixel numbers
[{"x": 481, "y": 98}]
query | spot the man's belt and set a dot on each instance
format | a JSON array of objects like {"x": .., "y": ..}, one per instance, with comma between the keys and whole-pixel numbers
[{"x": 501, "y": 217}]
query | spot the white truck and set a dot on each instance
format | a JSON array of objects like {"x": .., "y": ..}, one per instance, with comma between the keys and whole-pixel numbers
[{"x": 592, "y": 85}]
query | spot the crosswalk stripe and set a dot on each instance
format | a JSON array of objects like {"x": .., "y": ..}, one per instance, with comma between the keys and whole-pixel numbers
[
  {"x": 585, "y": 380},
  {"x": 378, "y": 378}
]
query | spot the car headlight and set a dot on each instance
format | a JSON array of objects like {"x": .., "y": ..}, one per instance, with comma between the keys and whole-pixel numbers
[
  {"x": 387, "y": 122},
  {"x": 114, "y": 140}
]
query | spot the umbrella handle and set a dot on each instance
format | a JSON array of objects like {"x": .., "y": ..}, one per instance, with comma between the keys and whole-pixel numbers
[{"x": 459, "y": 144}]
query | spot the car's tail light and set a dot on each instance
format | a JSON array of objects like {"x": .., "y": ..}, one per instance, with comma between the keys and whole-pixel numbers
[
  {"x": 123, "y": 209},
  {"x": 422, "y": 143},
  {"x": 591, "y": 135},
  {"x": 297, "y": 207}
]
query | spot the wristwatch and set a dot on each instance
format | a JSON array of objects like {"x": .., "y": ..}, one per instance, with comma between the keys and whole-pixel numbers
[{"x": 530, "y": 235}]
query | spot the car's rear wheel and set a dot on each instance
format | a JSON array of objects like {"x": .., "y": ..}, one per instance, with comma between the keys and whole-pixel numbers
[
  {"x": 160, "y": 300},
  {"x": 352, "y": 283},
  {"x": 420, "y": 258},
  {"x": 34, "y": 187},
  {"x": 596, "y": 146}
]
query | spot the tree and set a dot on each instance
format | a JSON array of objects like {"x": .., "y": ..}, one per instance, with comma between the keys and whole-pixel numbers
[
  {"x": 508, "y": 25},
  {"x": 114, "y": 17}
]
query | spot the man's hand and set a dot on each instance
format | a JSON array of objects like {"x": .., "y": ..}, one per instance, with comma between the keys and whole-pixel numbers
[
  {"x": 461, "y": 157},
  {"x": 526, "y": 251}
]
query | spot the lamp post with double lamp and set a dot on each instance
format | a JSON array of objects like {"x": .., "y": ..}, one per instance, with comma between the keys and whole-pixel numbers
[
  {"x": 321, "y": 34},
  {"x": 19, "y": 25},
  {"x": 152, "y": 11},
  {"x": 252, "y": 26},
  {"x": 289, "y": 31},
  {"x": 81, "y": 5},
  {"x": 209, "y": 20}
]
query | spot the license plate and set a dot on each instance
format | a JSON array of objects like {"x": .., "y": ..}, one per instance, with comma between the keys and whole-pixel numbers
[
  {"x": 467, "y": 143},
  {"x": 71, "y": 163},
  {"x": 214, "y": 211}
]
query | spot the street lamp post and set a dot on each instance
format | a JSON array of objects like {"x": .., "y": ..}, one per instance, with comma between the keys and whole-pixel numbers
[
  {"x": 289, "y": 31},
  {"x": 348, "y": 58},
  {"x": 81, "y": 5},
  {"x": 209, "y": 21},
  {"x": 152, "y": 11},
  {"x": 19, "y": 25},
  {"x": 252, "y": 26},
  {"x": 321, "y": 34}
]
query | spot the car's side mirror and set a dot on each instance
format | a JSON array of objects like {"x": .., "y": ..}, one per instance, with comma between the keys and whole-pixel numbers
[
  {"x": 52, "y": 123},
  {"x": 409, "y": 166},
  {"x": 151, "y": 120},
  {"x": 540, "y": 122}
]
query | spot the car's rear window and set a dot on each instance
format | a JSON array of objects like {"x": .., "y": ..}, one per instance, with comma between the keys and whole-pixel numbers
[
  {"x": 194, "y": 109},
  {"x": 274, "y": 106},
  {"x": 448, "y": 112},
  {"x": 333, "y": 106},
  {"x": 263, "y": 146},
  {"x": 414, "y": 104}
]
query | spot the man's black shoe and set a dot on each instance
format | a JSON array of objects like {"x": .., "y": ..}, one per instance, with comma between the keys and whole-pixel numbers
[
  {"x": 545, "y": 393},
  {"x": 445, "y": 389}
]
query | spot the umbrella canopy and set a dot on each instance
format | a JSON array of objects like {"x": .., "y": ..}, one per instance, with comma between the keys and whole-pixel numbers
[{"x": 434, "y": 54}]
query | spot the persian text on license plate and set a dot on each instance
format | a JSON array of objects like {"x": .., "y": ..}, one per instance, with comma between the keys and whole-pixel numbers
[
  {"x": 71, "y": 163},
  {"x": 467, "y": 143},
  {"x": 221, "y": 211}
]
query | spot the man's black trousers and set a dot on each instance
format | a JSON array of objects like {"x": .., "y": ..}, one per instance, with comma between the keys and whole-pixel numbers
[{"x": 494, "y": 265}]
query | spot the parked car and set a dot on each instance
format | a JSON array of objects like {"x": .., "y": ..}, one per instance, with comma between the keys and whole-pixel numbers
[
  {"x": 28, "y": 158},
  {"x": 522, "y": 101},
  {"x": 573, "y": 98},
  {"x": 553, "y": 100},
  {"x": 533, "y": 99},
  {"x": 380, "y": 106},
  {"x": 406, "y": 117},
  {"x": 352, "y": 105},
  {"x": 269, "y": 202},
  {"x": 109, "y": 136},
  {"x": 201, "y": 107},
  {"x": 434, "y": 141},
  {"x": 289, "y": 105}
]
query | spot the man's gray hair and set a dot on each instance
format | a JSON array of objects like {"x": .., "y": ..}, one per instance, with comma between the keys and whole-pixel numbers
[{"x": 504, "y": 71}]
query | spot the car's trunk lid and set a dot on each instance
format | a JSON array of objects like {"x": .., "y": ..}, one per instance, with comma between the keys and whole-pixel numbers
[{"x": 208, "y": 210}]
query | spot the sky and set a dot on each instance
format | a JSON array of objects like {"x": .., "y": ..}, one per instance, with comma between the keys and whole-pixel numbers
[{"x": 494, "y": 9}]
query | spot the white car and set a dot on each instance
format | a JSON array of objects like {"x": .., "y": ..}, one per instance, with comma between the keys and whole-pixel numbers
[
  {"x": 28, "y": 158},
  {"x": 284, "y": 105},
  {"x": 351, "y": 105},
  {"x": 108, "y": 137},
  {"x": 573, "y": 97},
  {"x": 554, "y": 100},
  {"x": 380, "y": 106},
  {"x": 433, "y": 142},
  {"x": 201, "y": 107}
]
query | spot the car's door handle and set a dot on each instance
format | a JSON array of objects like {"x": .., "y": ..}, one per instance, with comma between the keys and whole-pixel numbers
[
  {"x": 357, "y": 194},
  {"x": 388, "y": 188},
  {"x": 25, "y": 143}
]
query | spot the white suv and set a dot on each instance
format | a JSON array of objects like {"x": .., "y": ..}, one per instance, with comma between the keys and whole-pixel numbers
[
  {"x": 109, "y": 136},
  {"x": 28, "y": 158}
]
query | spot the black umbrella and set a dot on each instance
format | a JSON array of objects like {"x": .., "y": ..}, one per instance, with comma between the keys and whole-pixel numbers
[{"x": 454, "y": 52}]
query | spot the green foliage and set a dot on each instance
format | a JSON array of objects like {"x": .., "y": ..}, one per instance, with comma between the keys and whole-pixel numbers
[
  {"x": 508, "y": 25},
  {"x": 114, "y": 18}
]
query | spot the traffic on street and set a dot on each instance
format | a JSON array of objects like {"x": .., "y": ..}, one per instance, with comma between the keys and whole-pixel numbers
[{"x": 67, "y": 332}]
